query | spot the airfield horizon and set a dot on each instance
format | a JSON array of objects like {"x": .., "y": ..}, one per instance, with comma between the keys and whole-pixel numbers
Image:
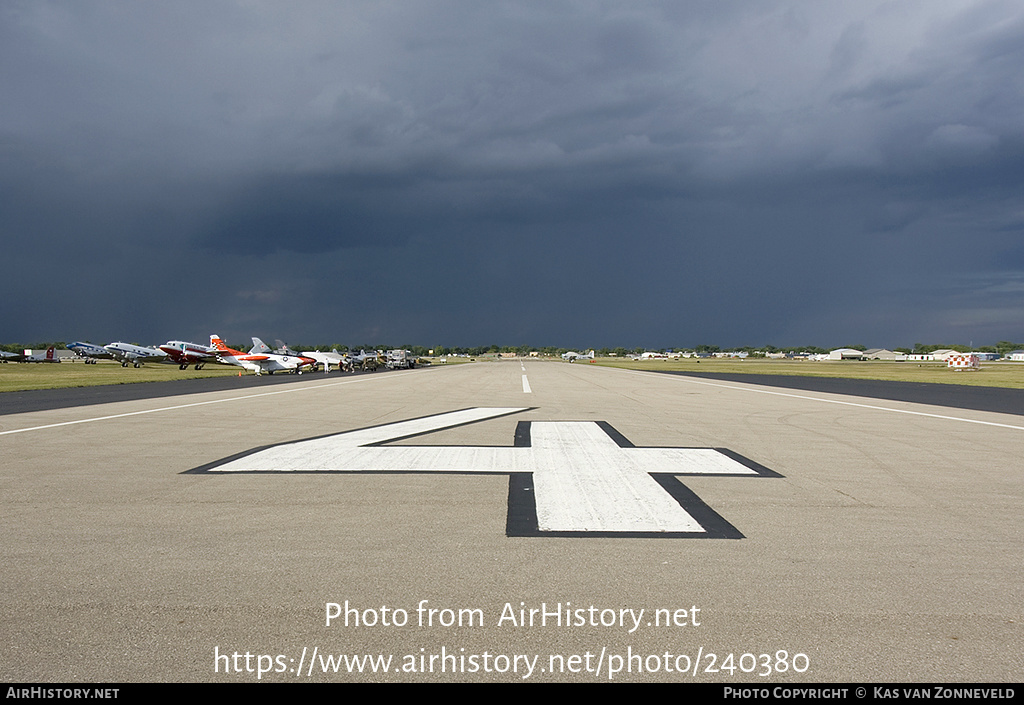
[{"x": 15, "y": 377}]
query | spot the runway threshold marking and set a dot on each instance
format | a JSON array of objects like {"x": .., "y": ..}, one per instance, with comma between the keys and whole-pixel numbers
[
  {"x": 832, "y": 401},
  {"x": 193, "y": 404},
  {"x": 566, "y": 478}
]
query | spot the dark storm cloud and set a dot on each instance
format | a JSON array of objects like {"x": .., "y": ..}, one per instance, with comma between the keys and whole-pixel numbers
[{"x": 558, "y": 172}]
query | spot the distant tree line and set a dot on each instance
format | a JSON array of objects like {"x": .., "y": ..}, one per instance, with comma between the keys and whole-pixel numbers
[
  {"x": 1003, "y": 347},
  {"x": 18, "y": 347}
]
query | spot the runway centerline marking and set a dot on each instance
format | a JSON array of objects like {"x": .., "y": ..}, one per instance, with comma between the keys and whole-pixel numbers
[
  {"x": 526, "y": 386},
  {"x": 566, "y": 478},
  {"x": 191, "y": 405},
  {"x": 691, "y": 380}
]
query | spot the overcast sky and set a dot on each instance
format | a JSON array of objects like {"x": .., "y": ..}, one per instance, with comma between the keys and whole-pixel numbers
[{"x": 578, "y": 174}]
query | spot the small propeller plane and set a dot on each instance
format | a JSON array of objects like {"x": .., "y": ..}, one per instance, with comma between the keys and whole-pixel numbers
[
  {"x": 572, "y": 356},
  {"x": 186, "y": 354},
  {"x": 49, "y": 356},
  {"x": 90, "y": 352},
  {"x": 135, "y": 355}
]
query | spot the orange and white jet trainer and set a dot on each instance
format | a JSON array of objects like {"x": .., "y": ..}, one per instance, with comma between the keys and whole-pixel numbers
[{"x": 260, "y": 362}]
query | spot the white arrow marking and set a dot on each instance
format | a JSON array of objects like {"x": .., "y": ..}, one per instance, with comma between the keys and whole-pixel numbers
[{"x": 583, "y": 480}]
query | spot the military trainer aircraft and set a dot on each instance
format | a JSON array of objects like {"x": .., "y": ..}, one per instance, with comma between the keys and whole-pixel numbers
[{"x": 259, "y": 361}]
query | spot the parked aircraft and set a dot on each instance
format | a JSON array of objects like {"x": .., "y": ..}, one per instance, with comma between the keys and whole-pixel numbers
[
  {"x": 186, "y": 354},
  {"x": 326, "y": 359},
  {"x": 283, "y": 349},
  {"x": 574, "y": 356},
  {"x": 649, "y": 356},
  {"x": 365, "y": 360},
  {"x": 135, "y": 355},
  {"x": 260, "y": 362},
  {"x": 259, "y": 347},
  {"x": 90, "y": 352},
  {"x": 49, "y": 356}
]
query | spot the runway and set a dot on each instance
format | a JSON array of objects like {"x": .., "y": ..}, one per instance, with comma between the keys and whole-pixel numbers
[{"x": 230, "y": 535}]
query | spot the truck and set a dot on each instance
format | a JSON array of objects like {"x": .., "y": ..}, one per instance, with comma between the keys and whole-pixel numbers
[{"x": 400, "y": 360}]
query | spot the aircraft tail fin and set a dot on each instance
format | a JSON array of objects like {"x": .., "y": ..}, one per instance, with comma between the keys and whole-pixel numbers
[
  {"x": 219, "y": 346},
  {"x": 283, "y": 348},
  {"x": 258, "y": 346}
]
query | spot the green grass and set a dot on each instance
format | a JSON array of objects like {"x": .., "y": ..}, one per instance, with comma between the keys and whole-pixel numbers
[
  {"x": 991, "y": 374},
  {"x": 24, "y": 376},
  {"x": 451, "y": 360}
]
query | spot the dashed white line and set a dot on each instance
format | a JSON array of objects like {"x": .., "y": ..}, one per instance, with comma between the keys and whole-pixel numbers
[{"x": 526, "y": 386}]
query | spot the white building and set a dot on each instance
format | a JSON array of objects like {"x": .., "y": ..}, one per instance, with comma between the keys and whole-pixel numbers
[{"x": 883, "y": 354}]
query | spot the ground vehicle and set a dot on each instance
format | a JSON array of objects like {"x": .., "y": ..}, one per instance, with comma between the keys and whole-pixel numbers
[{"x": 400, "y": 360}]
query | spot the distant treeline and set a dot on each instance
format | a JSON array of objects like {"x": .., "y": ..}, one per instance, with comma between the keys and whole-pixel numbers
[
  {"x": 18, "y": 347},
  {"x": 1003, "y": 347}
]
